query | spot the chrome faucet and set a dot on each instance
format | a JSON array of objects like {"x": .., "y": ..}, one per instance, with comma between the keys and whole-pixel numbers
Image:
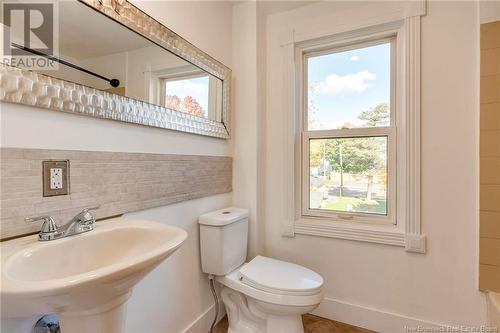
[{"x": 82, "y": 222}]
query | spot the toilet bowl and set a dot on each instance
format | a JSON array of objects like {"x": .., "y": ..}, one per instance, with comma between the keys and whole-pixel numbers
[
  {"x": 269, "y": 295},
  {"x": 262, "y": 295}
]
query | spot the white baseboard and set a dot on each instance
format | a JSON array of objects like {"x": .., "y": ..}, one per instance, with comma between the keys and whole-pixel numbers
[
  {"x": 369, "y": 318},
  {"x": 203, "y": 322},
  {"x": 353, "y": 314}
]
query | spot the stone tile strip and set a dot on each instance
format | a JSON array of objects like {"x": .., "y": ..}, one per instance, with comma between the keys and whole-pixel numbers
[{"x": 119, "y": 182}]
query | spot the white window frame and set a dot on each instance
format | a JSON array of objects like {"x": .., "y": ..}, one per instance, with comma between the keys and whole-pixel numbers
[
  {"x": 160, "y": 78},
  {"x": 406, "y": 231},
  {"x": 389, "y": 132}
]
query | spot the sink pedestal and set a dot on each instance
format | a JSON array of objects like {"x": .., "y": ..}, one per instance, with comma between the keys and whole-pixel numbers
[{"x": 108, "y": 318}]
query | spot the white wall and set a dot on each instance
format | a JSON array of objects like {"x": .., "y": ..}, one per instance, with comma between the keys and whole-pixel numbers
[
  {"x": 378, "y": 286},
  {"x": 141, "y": 63},
  {"x": 113, "y": 66},
  {"x": 206, "y": 24},
  {"x": 176, "y": 293},
  {"x": 489, "y": 11},
  {"x": 247, "y": 153}
]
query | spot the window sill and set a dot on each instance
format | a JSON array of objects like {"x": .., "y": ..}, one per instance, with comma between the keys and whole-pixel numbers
[{"x": 380, "y": 234}]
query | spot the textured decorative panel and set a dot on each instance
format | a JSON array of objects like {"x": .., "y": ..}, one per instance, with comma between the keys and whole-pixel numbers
[
  {"x": 29, "y": 88},
  {"x": 119, "y": 182}
]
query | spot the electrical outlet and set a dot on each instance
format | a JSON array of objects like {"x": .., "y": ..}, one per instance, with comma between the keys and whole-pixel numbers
[{"x": 55, "y": 178}]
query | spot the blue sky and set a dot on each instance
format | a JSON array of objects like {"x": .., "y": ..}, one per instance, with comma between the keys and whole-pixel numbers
[{"x": 348, "y": 83}]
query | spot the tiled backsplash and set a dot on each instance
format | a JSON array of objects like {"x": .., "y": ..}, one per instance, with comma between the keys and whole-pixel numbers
[{"x": 119, "y": 182}]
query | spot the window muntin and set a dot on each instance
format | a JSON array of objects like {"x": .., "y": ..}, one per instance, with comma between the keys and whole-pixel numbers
[{"x": 348, "y": 103}]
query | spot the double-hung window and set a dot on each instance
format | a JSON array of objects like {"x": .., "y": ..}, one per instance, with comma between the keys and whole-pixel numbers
[
  {"x": 349, "y": 132},
  {"x": 352, "y": 142}
]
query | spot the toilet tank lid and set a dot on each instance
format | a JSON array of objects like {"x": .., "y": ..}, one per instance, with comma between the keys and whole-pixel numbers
[{"x": 223, "y": 217}]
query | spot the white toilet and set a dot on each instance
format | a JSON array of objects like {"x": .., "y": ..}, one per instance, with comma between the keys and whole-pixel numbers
[{"x": 263, "y": 295}]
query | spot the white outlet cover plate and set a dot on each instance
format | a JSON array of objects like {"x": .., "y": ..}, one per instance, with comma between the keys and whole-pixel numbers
[{"x": 56, "y": 178}]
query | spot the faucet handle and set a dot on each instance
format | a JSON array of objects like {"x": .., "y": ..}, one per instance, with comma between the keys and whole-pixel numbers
[
  {"x": 85, "y": 216},
  {"x": 49, "y": 225},
  {"x": 85, "y": 210}
]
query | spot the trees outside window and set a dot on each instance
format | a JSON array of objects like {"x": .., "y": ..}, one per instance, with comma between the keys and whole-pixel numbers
[{"x": 187, "y": 105}]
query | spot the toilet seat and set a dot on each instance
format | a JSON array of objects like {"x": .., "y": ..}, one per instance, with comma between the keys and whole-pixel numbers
[
  {"x": 262, "y": 292},
  {"x": 280, "y": 277}
]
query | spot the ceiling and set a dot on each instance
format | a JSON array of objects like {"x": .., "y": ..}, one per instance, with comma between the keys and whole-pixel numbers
[
  {"x": 84, "y": 33},
  {"x": 273, "y": 7}
]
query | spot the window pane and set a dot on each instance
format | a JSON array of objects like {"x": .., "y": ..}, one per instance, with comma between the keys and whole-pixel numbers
[
  {"x": 188, "y": 95},
  {"x": 348, "y": 174},
  {"x": 349, "y": 89}
]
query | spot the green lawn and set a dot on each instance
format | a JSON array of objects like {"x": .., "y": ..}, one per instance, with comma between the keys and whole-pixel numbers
[{"x": 377, "y": 206}]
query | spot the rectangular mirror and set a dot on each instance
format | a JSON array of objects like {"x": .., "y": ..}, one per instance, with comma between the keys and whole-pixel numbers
[{"x": 138, "y": 70}]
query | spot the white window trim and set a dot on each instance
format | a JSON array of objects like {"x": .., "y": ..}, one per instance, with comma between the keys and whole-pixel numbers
[
  {"x": 407, "y": 231},
  {"x": 159, "y": 78}
]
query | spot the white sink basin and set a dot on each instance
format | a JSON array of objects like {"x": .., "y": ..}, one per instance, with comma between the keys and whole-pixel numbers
[{"x": 86, "y": 278}]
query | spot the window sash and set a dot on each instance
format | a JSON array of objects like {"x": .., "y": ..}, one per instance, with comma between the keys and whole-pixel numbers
[
  {"x": 390, "y": 133},
  {"x": 318, "y": 51}
]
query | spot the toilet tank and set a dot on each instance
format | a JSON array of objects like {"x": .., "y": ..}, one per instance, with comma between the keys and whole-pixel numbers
[{"x": 223, "y": 240}]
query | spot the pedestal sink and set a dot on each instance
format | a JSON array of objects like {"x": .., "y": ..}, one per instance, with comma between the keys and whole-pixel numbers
[{"x": 86, "y": 278}]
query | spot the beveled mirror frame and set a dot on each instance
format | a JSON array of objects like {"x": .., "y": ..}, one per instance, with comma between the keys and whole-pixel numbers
[{"x": 34, "y": 89}]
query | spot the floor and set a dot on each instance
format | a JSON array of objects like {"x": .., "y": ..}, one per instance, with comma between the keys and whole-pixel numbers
[{"x": 312, "y": 324}]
